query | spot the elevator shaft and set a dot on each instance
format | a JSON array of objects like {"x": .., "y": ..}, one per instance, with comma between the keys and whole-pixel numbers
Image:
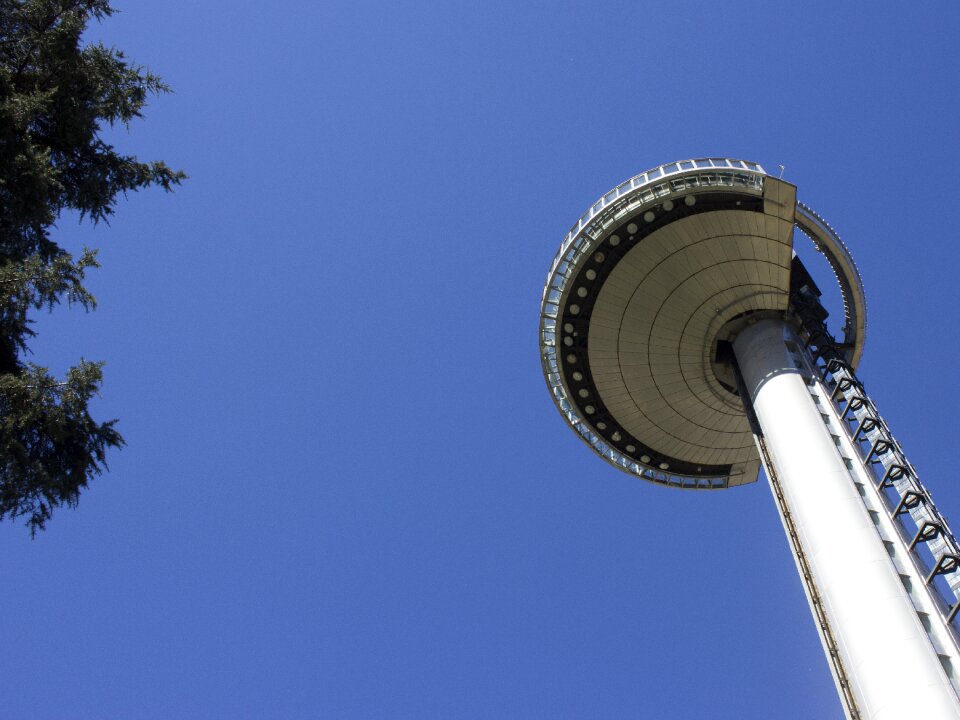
[{"x": 884, "y": 659}]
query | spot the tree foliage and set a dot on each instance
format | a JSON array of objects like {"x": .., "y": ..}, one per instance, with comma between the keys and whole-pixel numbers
[{"x": 56, "y": 97}]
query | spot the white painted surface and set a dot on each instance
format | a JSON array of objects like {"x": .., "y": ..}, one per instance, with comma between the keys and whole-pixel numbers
[{"x": 894, "y": 670}]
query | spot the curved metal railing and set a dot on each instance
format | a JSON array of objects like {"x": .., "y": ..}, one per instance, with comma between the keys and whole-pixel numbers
[{"x": 629, "y": 197}]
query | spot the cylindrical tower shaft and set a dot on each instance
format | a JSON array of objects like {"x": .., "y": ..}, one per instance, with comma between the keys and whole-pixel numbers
[{"x": 884, "y": 651}]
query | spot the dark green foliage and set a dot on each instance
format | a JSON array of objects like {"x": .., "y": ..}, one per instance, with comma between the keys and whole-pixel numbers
[
  {"x": 55, "y": 98},
  {"x": 49, "y": 444}
]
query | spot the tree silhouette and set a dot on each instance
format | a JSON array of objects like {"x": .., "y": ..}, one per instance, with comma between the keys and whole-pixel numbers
[{"x": 56, "y": 97}]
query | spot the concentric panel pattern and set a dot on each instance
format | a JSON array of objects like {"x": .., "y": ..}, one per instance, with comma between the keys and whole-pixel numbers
[
  {"x": 653, "y": 329},
  {"x": 632, "y": 309}
]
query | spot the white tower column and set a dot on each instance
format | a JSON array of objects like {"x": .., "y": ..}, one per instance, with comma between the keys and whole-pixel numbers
[{"x": 892, "y": 667}]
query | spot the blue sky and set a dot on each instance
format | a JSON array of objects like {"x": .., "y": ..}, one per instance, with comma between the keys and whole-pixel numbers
[{"x": 346, "y": 491}]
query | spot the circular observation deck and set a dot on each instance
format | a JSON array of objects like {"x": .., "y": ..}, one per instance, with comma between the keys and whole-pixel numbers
[{"x": 636, "y": 306}]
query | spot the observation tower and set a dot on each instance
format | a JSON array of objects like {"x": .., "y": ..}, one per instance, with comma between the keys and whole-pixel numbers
[{"x": 685, "y": 343}]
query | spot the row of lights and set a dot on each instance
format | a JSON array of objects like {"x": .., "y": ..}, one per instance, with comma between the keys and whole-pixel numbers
[
  {"x": 649, "y": 216},
  {"x": 590, "y": 274}
]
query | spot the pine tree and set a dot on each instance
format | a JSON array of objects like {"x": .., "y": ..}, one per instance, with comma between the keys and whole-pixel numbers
[{"x": 56, "y": 97}]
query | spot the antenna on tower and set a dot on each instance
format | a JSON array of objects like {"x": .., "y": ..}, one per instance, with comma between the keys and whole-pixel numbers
[{"x": 782, "y": 168}]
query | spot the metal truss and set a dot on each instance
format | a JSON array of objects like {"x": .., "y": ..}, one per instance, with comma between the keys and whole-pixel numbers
[{"x": 931, "y": 544}]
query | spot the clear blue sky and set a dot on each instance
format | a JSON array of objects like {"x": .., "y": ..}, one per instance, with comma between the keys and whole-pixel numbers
[{"x": 347, "y": 493}]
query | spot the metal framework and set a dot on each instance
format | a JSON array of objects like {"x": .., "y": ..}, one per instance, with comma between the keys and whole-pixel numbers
[{"x": 910, "y": 517}]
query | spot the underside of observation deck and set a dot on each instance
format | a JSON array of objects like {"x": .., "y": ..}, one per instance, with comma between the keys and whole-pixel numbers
[{"x": 637, "y": 307}]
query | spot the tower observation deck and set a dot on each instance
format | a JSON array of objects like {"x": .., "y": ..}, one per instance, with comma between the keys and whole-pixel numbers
[{"x": 685, "y": 343}]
